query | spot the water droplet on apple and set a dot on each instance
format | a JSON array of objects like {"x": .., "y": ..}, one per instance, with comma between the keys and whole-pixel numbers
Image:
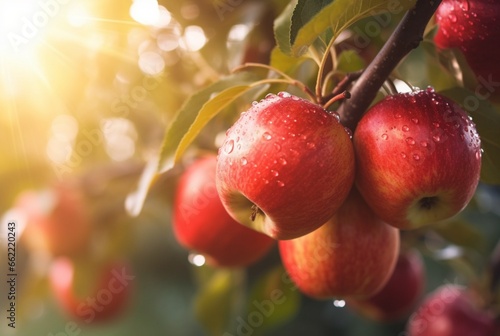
[
  {"x": 384, "y": 136},
  {"x": 244, "y": 161},
  {"x": 348, "y": 131},
  {"x": 267, "y": 136},
  {"x": 436, "y": 138},
  {"x": 311, "y": 145},
  {"x": 284, "y": 94},
  {"x": 452, "y": 17},
  {"x": 229, "y": 146},
  {"x": 424, "y": 144},
  {"x": 410, "y": 141},
  {"x": 465, "y": 5},
  {"x": 403, "y": 155},
  {"x": 405, "y": 128},
  {"x": 397, "y": 115},
  {"x": 274, "y": 173},
  {"x": 265, "y": 181},
  {"x": 436, "y": 124},
  {"x": 295, "y": 98},
  {"x": 282, "y": 161},
  {"x": 416, "y": 157},
  {"x": 253, "y": 103},
  {"x": 280, "y": 183},
  {"x": 414, "y": 120}
]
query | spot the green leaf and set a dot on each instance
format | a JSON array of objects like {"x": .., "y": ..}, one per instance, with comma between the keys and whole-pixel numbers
[
  {"x": 285, "y": 63},
  {"x": 487, "y": 120},
  {"x": 350, "y": 61},
  {"x": 274, "y": 298},
  {"x": 282, "y": 26},
  {"x": 215, "y": 303},
  {"x": 197, "y": 112},
  {"x": 312, "y": 18},
  {"x": 461, "y": 233}
]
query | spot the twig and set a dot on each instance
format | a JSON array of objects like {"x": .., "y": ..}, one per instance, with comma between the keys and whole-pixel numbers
[{"x": 406, "y": 37}]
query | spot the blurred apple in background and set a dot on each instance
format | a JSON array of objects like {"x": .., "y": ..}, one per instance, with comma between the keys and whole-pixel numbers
[
  {"x": 201, "y": 223},
  {"x": 451, "y": 310},
  {"x": 91, "y": 292},
  {"x": 57, "y": 219},
  {"x": 399, "y": 295}
]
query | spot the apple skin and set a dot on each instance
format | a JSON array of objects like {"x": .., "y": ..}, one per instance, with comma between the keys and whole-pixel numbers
[
  {"x": 472, "y": 27},
  {"x": 450, "y": 311},
  {"x": 285, "y": 167},
  {"x": 418, "y": 158},
  {"x": 201, "y": 223},
  {"x": 399, "y": 295},
  {"x": 351, "y": 255},
  {"x": 103, "y": 299},
  {"x": 58, "y": 220}
]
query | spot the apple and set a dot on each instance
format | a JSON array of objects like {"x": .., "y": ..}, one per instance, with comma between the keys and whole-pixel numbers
[
  {"x": 201, "y": 223},
  {"x": 451, "y": 310},
  {"x": 285, "y": 167},
  {"x": 399, "y": 295},
  {"x": 91, "y": 293},
  {"x": 472, "y": 27},
  {"x": 351, "y": 255},
  {"x": 418, "y": 158},
  {"x": 58, "y": 219}
]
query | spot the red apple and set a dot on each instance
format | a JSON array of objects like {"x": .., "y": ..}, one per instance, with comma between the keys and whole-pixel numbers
[
  {"x": 450, "y": 311},
  {"x": 202, "y": 224},
  {"x": 472, "y": 27},
  {"x": 399, "y": 295},
  {"x": 91, "y": 294},
  {"x": 285, "y": 167},
  {"x": 418, "y": 158},
  {"x": 57, "y": 219},
  {"x": 352, "y": 255}
]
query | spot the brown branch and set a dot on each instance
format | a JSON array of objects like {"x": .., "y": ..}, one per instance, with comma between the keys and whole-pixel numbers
[{"x": 406, "y": 37}]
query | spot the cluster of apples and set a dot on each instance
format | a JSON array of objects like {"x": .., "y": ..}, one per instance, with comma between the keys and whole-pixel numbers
[
  {"x": 289, "y": 171},
  {"x": 58, "y": 223}
]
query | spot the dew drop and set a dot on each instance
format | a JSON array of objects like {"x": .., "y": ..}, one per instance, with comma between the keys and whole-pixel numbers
[
  {"x": 274, "y": 173},
  {"x": 397, "y": 115},
  {"x": 384, "y": 136},
  {"x": 267, "y": 136},
  {"x": 270, "y": 95},
  {"x": 244, "y": 161},
  {"x": 277, "y": 146},
  {"x": 414, "y": 120},
  {"x": 410, "y": 141},
  {"x": 405, "y": 128},
  {"x": 424, "y": 144},
  {"x": 348, "y": 131},
  {"x": 436, "y": 124},
  {"x": 416, "y": 157},
  {"x": 436, "y": 138},
  {"x": 282, "y": 161},
  {"x": 254, "y": 103},
  {"x": 229, "y": 146},
  {"x": 403, "y": 155},
  {"x": 284, "y": 94},
  {"x": 311, "y": 145},
  {"x": 452, "y": 17},
  {"x": 280, "y": 183},
  {"x": 265, "y": 181}
]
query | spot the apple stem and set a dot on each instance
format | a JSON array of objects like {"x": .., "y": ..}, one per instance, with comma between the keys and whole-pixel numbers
[
  {"x": 340, "y": 96},
  {"x": 406, "y": 37},
  {"x": 342, "y": 85}
]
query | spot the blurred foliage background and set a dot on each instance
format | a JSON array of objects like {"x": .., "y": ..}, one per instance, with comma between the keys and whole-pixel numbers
[{"x": 87, "y": 90}]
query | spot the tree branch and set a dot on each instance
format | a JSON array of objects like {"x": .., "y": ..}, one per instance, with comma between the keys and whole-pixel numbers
[{"x": 406, "y": 37}]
